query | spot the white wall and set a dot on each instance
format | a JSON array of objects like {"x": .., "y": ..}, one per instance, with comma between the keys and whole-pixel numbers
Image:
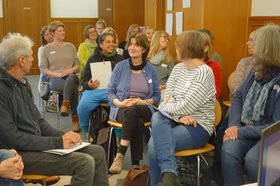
[
  {"x": 1, "y": 9},
  {"x": 74, "y": 8},
  {"x": 265, "y": 8}
]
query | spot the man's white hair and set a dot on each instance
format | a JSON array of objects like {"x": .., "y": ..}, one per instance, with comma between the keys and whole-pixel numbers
[{"x": 12, "y": 47}]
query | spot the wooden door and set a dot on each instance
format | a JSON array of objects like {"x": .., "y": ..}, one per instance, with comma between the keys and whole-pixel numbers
[
  {"x": 25, "y": 17},
  {"x": 105, "y": 11}
]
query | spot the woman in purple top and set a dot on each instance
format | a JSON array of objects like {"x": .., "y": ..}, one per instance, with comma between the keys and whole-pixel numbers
[{"x": 133, "y": 85}]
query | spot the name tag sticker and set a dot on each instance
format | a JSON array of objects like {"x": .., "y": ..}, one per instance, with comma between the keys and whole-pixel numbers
[
  {"x": 52, "y": 52},
  {"x": 150, "y": 81},
  {"x": 188, "y": 83},
  {"x": 164, "y": 65}
]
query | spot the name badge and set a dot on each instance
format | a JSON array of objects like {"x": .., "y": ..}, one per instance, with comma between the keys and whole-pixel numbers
[
  {"x": 188, "y": 83},
  {"x": 150, "y": 81},
  {"x": 52, "y": 52},
  {"x": 164, "y": 65}
]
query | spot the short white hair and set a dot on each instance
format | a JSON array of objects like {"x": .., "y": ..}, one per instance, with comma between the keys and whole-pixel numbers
[{"x": 12, "y": 47}]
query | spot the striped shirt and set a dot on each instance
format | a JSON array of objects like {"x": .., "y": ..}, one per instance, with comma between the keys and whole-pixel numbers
[{"x": 192, "y": 93}]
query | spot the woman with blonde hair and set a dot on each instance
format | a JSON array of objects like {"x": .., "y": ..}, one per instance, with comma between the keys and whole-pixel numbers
[
  {"x": 132, "y": 29},
  {"x": 100, "y": 25},
  {"x": 149, "y": 32},
  {"x": 160, "y": 57},
  {"x": 254, "y": 107}
]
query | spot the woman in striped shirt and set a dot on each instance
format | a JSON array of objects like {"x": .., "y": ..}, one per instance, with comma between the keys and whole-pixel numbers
[{"x": 190, "y": 101}]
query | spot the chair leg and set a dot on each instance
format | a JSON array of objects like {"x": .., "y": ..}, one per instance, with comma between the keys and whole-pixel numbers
[
  {"x": 198, "y": 170},
  {"x": 58, "y": 111},
  {"x": 109, "y": 145}
]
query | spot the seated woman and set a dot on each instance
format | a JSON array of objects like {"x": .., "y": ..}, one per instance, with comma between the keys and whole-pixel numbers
[
  {"x": 11, "y": 168},
  {"x": 132, "y": 29},
  {"x": 86, "y": 49},
  {"x": 133, "y": 85},
  {"x": 190, "y": 100},
  {"x": 244, "y": 66},
  {"x": 60, "y": 63},
  {"x": 161, "y": 58},
  {"x": 100, "y": 25},
  {"x": 114, "y": 33},
  {"x": 46, "y": 38},
  {"x": 255, "y": 106},
  {"x": 149, "y": 32},
  {"x": 92, "y": 97},
  {"x": 214, "y": 65}
]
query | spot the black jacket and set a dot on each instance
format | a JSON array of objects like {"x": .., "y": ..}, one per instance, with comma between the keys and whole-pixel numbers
[
  {"x": 22, "y": 127},
  {"x": 97, "y": 57}
]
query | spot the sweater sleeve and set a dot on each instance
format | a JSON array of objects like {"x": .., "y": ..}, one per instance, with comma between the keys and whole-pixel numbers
[
  {"x": 82, "y": 54},
  {"x": 44, "y": 63},
  {"x": 112, "y": 87}
]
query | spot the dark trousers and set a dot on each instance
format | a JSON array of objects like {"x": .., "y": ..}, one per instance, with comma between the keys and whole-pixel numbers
[{"x": 133, "y": 119}]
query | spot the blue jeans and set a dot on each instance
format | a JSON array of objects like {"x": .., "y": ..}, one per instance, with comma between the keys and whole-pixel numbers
[
  {"x": 167, "y": 138},
  {"x": 233, "y": 154},
  {"x": 5, "y": 154},
  {"x": 89, "y": 101}
]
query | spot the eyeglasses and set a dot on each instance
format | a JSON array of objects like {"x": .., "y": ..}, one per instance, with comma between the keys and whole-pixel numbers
[{"x": 92, "y": 32}]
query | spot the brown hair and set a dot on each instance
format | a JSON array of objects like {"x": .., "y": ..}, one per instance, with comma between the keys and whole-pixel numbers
[
  {"x": 142, "y": 41},
  {"x": 42, "y": 35},
  {"x": 54, "y": 25},
  {"x": 190, "y": 44},
  {"x": 86, "y": 30}
]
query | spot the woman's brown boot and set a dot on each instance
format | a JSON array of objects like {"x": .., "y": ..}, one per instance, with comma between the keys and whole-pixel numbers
[
  {"x": 64, "y": 110},
  {"x": 75, "y": 124}
]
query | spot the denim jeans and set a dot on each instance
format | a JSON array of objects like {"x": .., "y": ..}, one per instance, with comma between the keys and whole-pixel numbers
[
  {"x": 167, "y": 138},
  {"x": 5, "y": 154},
  {"x": 89, "y": 101},
  {"x": 233, "y": 154}
]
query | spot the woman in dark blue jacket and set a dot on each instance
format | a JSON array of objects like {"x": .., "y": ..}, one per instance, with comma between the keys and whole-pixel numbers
[
  {"x": 133, "y": 85},
  {"x": 254, "y": 107}
]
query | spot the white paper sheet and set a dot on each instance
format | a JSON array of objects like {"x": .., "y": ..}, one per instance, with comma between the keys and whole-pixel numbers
[{"x": 102, "y": 72}]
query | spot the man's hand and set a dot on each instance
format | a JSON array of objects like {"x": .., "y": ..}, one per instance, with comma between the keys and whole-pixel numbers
[
  {"x": 188, "y": 120},
  {"x": 71, "y": 139},
  {"x": 12, "y": 168}
]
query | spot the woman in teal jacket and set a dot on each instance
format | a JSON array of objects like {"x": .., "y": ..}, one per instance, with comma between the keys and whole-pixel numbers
[{"x": 133, "y": 85}]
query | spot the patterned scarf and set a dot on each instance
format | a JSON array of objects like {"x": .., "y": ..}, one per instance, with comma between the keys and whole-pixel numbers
[
  {"x": 158, "y": 58},
  {"x": 91, "y": 45},
  {"x": 255, "y": 101}
]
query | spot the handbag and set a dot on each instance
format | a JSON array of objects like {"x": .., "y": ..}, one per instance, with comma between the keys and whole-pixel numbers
[{"x": 137, "y": 177}]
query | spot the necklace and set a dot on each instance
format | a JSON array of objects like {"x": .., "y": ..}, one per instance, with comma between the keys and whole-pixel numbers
[{"x": 58, "y": 44}]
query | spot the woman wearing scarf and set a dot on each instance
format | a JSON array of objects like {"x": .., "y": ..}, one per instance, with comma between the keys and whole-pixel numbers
[
  {"x": 254, "y": 107},
  {"x": 86, "y": 49},
  {"x": 133, "y": 85},
  {"x": 92, "y": 96},
  {"x": 160, "y": 57}
]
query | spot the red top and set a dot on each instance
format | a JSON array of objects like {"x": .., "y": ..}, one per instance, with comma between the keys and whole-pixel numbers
[{"x": 215, "y": 66}]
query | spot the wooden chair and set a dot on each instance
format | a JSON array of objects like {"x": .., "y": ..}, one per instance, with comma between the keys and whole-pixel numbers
[
  {"x": 37, "y": 178},
  {"x": 207, "y": 148},
  {"x": 115, "y": 124},
  {"x": 230, "y": 78}
]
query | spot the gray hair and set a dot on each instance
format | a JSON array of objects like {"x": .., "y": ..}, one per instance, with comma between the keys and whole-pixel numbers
[{"x": 12, "y": 47}]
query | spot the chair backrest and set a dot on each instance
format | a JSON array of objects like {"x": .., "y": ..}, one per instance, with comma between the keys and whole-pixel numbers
[
  {"x": 230, "y": 78},
  {"x": 218, "y": 113}
]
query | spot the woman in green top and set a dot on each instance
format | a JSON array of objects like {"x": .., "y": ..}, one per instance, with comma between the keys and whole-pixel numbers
[
  {"x": 160, "y": 57},
  {"x": 86, "y": 49}
]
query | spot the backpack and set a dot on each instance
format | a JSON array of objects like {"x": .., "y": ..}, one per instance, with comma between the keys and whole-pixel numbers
[
  {"x": 187, "y": 171},
  {"x": 99, "y": 133},
  {"x": 98, "y": 120},
  {"x": 103, "y": 140}
]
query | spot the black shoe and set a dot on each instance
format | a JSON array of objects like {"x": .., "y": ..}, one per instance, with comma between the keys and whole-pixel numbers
[
  {"x": 170, "y": 179},
  {"x": 45, "y": 96}
]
